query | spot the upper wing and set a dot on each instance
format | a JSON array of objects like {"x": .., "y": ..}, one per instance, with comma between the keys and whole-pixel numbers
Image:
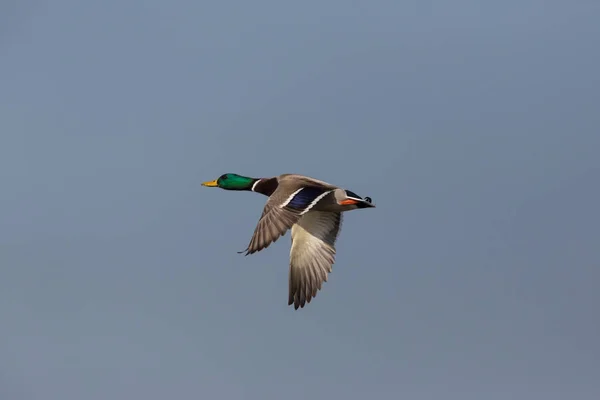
[
  {"x": 281, "y": 212},
  {"x": 312, "y": 254}
]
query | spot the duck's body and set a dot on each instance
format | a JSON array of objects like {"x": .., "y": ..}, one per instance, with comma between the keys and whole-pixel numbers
[{"x": 312, "y": 209}]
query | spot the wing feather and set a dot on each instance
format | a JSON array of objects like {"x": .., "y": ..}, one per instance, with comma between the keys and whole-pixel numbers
[
  {"x": 281, "y": 212},
  {"x": 312, "y": 254},
  {"x": 274, "y": 223}
]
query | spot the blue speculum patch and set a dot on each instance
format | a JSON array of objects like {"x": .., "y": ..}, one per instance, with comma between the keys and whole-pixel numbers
[{"x": 303, "y": 198}]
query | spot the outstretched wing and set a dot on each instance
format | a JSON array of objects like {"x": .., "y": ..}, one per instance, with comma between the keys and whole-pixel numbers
[
  {"x": 274, "y": 223},
  {"x": 281, "y": 212},
  {"x": 312, "y": 254}
]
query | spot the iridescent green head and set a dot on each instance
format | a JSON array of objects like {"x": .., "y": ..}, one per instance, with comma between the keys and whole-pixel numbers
[{"x": 232, "y": 182}]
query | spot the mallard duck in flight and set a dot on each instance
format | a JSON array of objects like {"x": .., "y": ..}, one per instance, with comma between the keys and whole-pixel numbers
[{"x": 312, "y": 209}]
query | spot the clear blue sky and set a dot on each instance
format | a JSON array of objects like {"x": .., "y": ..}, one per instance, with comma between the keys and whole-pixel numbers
[{"x": 474, "y": 127}]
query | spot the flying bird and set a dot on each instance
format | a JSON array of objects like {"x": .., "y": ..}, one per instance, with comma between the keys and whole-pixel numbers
[{"x": 312, "y": 209}]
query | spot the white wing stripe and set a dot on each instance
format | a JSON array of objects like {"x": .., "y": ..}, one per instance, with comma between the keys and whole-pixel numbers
[
  {"x": 285, "y": 203},
  {"x": 315, "y": 201}
]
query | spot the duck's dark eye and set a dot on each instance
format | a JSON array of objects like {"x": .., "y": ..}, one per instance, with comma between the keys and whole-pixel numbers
[
  {"x": 223, "y": 177},
  {"x": 368, "y": 199}
]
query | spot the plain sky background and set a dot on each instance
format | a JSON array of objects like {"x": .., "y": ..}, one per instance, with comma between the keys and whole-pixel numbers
[{"x": 474, "y": 126}]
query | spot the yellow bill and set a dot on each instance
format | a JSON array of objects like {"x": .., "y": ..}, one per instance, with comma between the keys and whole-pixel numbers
[{"x": 210, "y": 183}]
